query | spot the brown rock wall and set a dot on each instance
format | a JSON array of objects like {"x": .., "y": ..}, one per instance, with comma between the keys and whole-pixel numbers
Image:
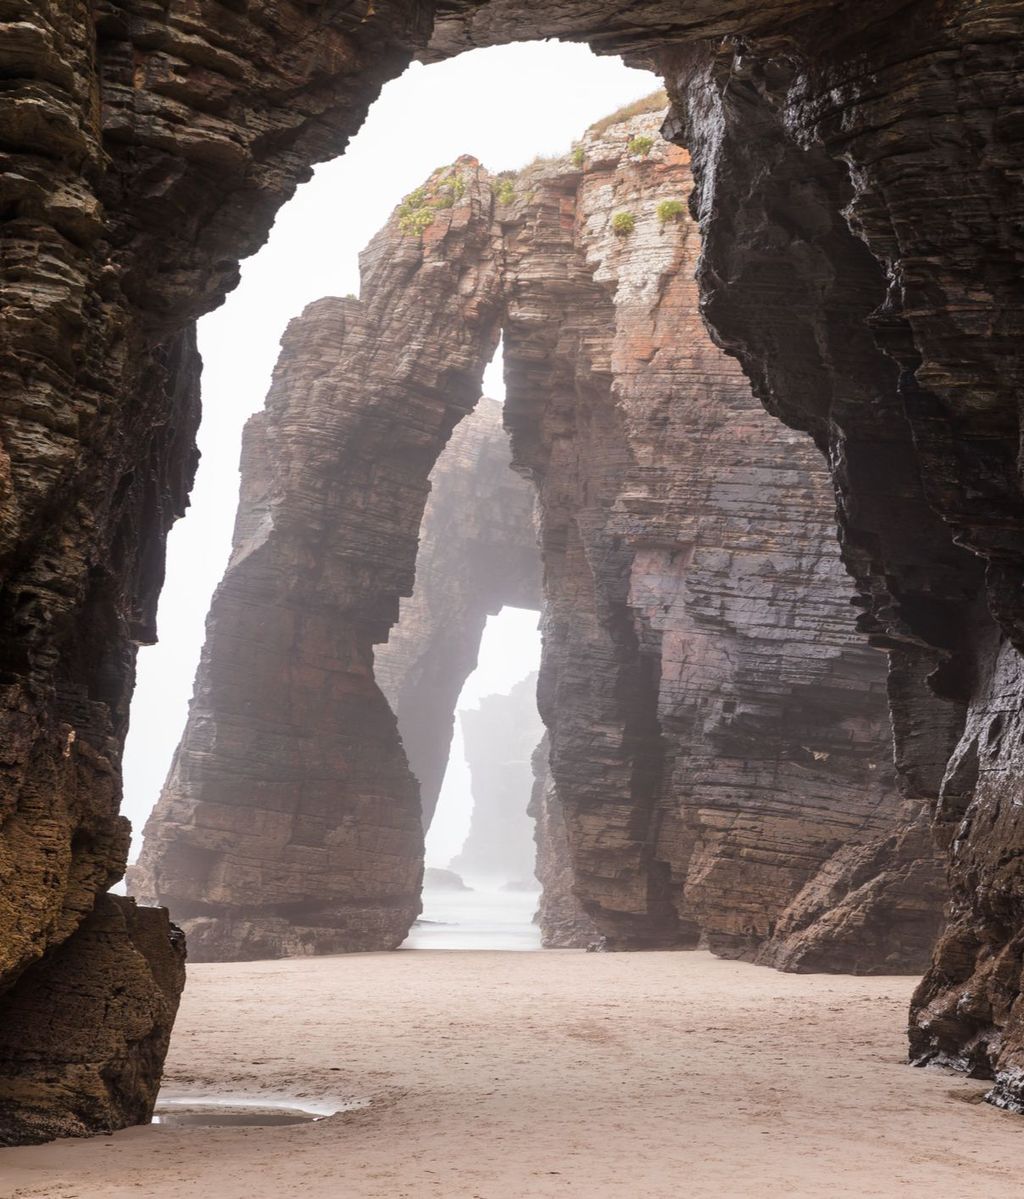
[
  {"x": 290, "y": 822},
  {"x": 562, "y": 920},
  {"x": 107, "y": 997},
  {"x": 718, "y": 731},
  {"x": 146, "y": 149},
  {"x": 699, "y": 618},
  {"x": 860, "y": 218}
]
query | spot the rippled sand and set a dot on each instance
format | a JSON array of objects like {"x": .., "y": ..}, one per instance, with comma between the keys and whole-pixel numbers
[{"x": 512, "y": 1075}]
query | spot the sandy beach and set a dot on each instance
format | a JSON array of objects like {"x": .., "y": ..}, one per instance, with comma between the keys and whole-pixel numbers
[{"x": 511, "y": 1075}]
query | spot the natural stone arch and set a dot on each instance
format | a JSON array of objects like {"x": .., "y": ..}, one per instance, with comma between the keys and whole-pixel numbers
[
  {"x": 478, "y": 554},
  {"x": 709, "y": 703},
  {"x": 176, "y": 137}
]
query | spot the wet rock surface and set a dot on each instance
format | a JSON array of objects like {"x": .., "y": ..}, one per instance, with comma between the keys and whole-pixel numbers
[{"x": 107, "y": 997}]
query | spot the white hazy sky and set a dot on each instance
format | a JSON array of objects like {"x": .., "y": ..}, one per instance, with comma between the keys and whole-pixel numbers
[{"x": 504, "y": 106}]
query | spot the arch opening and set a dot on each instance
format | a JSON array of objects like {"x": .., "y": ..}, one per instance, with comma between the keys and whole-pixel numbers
[{"x": 691, "y": 720}]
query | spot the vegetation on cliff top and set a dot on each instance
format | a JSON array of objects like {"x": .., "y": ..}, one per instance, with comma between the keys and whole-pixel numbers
[
  {"x": 641, "y": 146},
  {"x": 652, "y": 103},
  {"x": 417, "y": 209},
  {"x": 504, "y": 190}
]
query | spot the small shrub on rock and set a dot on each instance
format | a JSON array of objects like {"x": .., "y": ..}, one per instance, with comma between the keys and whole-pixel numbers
[
  {"x": 623, "y": 223},
  {"x": 415, "y": 220},
  {"x": 640, "y": 145},
  {"x": 504, "y": 191}
]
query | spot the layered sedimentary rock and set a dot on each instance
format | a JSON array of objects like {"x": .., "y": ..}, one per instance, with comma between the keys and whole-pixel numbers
[
  {"x": 145, "y": 150},
  {"x": 560, "y": 915},
  {"x": 718, "y": 732},
  {"x": 860, "y": 206},
  {"x": 719, "y": 739},
  {"x": 478, "y": 553},
  {"x": 108, "y": 997},
  {"x": 500, "y": 737},
  {"x": 290, "y": 820},
  {"x": 861, "y": 161},
  {"x": 285, "y": 826}
]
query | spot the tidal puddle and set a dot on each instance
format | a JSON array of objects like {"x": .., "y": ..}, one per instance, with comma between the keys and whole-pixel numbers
[
  {"x": 223, "y": 1117},
  {"x": 203, "y": 1112}
]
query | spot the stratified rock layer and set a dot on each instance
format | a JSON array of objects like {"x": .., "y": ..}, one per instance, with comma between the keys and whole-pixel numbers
[
  {"x": 146, "y": 149},
  {"x": 107, "y": 997},
  {"x": 478, "y": 553},
  {"x": 862, "y": 218},
  {"x": 560, "y": 915},
  {"x": 290, "y": 822},
  {"x": 500, "y": 737},
  {"x": 718, "y": 730},
  {"x": 719, "y": 737}
]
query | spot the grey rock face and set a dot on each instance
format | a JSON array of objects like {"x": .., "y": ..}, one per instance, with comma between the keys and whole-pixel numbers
[{"x": 500, "y": 738}]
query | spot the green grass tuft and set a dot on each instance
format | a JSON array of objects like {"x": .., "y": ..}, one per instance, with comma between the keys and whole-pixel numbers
[
  {"x": 623, "y": 223},
  {"x": 416, "y": 211},
  {"x": 413, "y": 223},
  {"x": 641, "y": 146},
  {"x": 504, "y": 190},
  {"x": 670, "y": 210}
]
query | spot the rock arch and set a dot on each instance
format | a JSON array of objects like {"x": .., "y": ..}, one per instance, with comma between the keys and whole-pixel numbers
[{"x": 148, "y": 150}]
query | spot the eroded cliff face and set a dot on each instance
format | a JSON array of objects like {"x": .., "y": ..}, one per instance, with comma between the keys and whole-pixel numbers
[
  {"x": 290, "y": 821},
  {"x": 107, "y": 997},
  {"x": 719, "y": 740},
  {"x": 285, "y": 826},
  {"x": 560, "y": 915},
  {"x": 501, "y": 736},
  {"x": 699, "y": 619},
  {"x": 478, "y": 552},
  {"x": 861, "y": 212},
  {"x": 289, "y": 776},
  {"x": 146, "y": 150}
]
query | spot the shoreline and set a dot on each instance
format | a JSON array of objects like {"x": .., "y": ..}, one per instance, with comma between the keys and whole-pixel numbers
[{"x": 511, "y": 1075}]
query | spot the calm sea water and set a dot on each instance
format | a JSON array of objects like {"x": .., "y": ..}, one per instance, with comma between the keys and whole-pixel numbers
[{"x": 477, "y": 919}]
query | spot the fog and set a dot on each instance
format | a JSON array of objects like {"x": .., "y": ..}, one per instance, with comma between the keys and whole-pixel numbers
[
  {"x": 509, "y": 651},
  {"x": 504, "y": 105}
]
